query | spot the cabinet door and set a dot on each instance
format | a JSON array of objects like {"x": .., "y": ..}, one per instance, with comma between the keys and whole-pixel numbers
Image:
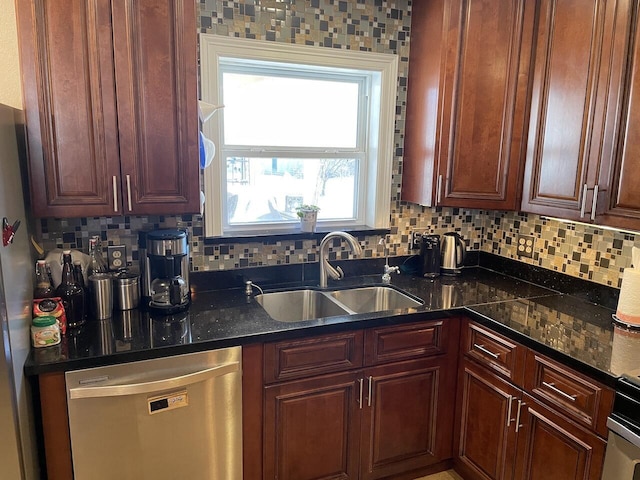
[
  {"x": 485, "y": 424},
  {"x": 407, "y": 417},
  {"x": 466, "y": 106},
  {"x": 552, "y": 448},
  {"x": 424, "y": 96},
  {"x": 312, "y": 427},
  {"x": 619, "y": 202},
  {"x": 572, "y": 53},
  {"x": 487, "y": 75},
  {"x": 69, "y": 96},
  {"x": 155, "y": 62}
]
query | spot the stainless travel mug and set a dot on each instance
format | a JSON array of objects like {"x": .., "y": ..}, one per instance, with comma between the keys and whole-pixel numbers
[
  {"x": 101, "y": 290},
  {"x": 127, "y": 291}
]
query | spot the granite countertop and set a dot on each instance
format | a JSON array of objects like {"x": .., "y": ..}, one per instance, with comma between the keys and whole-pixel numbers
[{"x": 570, "y": 329}]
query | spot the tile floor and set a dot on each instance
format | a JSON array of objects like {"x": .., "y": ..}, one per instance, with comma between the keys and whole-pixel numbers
[{"x": 448, "y": 475}]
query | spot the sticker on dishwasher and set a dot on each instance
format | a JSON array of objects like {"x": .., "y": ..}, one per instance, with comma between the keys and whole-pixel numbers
[{"x": 168, "y": 401}]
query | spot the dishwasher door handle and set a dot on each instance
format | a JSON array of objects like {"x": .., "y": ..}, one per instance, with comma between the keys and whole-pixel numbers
[{"x": 154, "y": 386}]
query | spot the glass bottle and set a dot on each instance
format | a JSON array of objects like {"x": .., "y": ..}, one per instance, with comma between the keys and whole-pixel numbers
[
  {"x": 78, "y": 277},
  {"x": 43, "y": 288},
  {"x": 71, "y": 294},
  {"x": 77, "y": 274},
  {"x": 96, "y": 263}
]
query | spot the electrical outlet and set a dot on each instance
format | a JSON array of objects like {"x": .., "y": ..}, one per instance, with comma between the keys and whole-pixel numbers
[
  {"x": 416, "y": 239},
  {"x": 525, "y": 246},
  {"x": 116, "y": 256}
]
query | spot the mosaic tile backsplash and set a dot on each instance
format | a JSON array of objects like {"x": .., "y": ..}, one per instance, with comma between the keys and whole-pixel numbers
[{"x": 369, "y": 25}]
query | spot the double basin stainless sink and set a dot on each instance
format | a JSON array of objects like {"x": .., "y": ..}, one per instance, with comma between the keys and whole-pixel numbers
[{"x": 309, "y": 304}]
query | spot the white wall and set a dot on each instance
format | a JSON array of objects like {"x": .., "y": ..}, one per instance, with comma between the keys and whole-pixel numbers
[{"x": 10, "y": 88}]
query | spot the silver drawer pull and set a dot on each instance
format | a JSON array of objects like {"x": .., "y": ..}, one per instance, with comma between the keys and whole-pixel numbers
[
  {"x": 484, "y": 350},
  {"x": 555, "y": 389}
]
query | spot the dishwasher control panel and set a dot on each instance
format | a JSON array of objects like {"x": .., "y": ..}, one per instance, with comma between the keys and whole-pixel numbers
[{"x": 168, "y": 401}]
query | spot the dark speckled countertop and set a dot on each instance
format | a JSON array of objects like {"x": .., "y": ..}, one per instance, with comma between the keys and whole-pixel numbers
[{"x": 568, "y": 328}]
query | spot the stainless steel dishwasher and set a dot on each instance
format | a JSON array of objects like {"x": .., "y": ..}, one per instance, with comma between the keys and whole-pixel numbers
[{"x": 167, "y": 418}]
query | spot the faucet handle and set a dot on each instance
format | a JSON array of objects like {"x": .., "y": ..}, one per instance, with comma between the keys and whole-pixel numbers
[{"x": 386, "y": 277}]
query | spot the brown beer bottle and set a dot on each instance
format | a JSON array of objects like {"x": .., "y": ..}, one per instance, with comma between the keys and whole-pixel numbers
[{"x": 71, "y": 294}]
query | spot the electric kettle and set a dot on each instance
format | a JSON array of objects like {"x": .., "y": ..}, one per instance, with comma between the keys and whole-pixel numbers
[
  {"x": 430, "y": 255},
  {"x": 453, "y": 251}
]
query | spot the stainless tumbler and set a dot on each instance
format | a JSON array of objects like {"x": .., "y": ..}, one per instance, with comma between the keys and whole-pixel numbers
[
  {"x": 101, "y": 291},
  {"x": 127, "y": 291}
]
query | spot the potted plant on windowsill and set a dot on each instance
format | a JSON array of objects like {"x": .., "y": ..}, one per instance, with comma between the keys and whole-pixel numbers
[{"x": 308, "y": 215}]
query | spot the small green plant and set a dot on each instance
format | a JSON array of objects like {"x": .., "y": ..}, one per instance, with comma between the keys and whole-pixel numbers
[{"x": 306, "y": 208}]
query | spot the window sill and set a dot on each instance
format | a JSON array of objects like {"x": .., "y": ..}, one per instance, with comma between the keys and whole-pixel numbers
[{"x": 293, "y": 234}]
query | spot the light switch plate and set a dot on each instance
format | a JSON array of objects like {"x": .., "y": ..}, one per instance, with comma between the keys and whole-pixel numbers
[
  {"x": 525, "y": 245},
  {"x": 116, "y": 256}
]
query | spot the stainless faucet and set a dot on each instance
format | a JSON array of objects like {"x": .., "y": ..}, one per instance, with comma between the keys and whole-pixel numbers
[
  {"x": 386, "y": 276},
  {"x": 325, "y": 266}
]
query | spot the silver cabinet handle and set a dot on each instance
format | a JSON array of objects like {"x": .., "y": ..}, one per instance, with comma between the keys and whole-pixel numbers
[
  {"x": 553, "y": 388},
  {"x": 129, "y": 190},
  {"x": 484, "y": 350},
  {"x": 370, "y": 390},
  {"x": 594, "y": 203},
  {"x": 509, "y": 419},
  {"x": 439, "y": 190},
  {"x": 584, "y": 200},
  {"x": 115, "y": 193},
  {"x": 361, "y": 382},
  {"x": 518, "y": 424},
  {"x": 156, "y": 385}
]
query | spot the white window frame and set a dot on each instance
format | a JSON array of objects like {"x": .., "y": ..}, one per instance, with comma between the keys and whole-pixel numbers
[{"x": 375, "y": 195}]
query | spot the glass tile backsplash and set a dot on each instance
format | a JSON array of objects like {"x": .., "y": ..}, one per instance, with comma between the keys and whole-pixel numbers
[{"x": 382, "y": 26}]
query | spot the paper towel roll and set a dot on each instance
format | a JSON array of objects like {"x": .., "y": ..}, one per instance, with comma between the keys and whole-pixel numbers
[
  {"x": 629, "y": 302},
  {"x": 625, "y": 350}
]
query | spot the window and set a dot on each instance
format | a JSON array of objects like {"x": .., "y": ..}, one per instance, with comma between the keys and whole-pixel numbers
[{"x": 301, "y": 125}]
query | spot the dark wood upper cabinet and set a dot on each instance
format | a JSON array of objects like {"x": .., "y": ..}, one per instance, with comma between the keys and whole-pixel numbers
[
  {"x": 467, "y": 102},
  {"x": 580, "y": 153},
  {"x": 571, "y": 47},
  {"x": 618, "y": 202},
  {"x": 69, "y": 96},
  {"x": 111, "y": 106}
]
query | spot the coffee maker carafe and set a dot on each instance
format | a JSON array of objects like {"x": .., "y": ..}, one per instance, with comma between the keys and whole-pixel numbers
[{"x": 165, "y": 271}]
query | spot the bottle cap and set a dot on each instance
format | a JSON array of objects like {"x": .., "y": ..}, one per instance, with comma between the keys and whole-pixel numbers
[{"x": 44, "y": 321}]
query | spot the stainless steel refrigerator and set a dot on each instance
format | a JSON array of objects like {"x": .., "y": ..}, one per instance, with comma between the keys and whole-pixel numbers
[
  {"x": 10, "y": 449},
  {"x": 18, "y": 458}
]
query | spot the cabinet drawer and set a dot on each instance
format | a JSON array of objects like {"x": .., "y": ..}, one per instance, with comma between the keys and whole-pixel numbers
[
  {"x": 495, "y": 351},
  {"x": 312, "y": 356},
  {"x": 569, "y": 392},
  {"x": 403, "y": 342}
]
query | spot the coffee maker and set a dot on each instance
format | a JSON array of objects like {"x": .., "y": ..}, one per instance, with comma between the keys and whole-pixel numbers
[
  {"x": 164, "y": 268},
  {"x": 430, "y": 255}
]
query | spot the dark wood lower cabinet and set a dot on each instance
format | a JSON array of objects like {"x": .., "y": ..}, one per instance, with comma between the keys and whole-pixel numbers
[
  {"x": 376, "y": 419},
  {"x": 369, "y": 424},
  {"x": 485, "y": 434},
  {"x": 552, "y": 448},
  {"x": 503, "y": 432},
  {"x": 312, "y": 427},
  {"x": 406, "y": 417}
]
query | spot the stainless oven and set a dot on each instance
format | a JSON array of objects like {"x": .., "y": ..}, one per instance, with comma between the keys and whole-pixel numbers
[{"x": 622, "y": 459}]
